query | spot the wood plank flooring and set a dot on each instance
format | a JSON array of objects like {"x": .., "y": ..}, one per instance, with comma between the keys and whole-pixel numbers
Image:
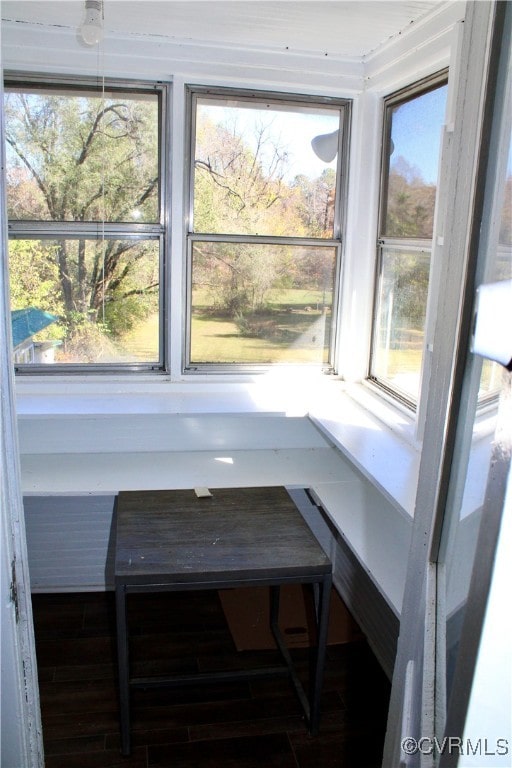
[{"x": 236, "y": 725}]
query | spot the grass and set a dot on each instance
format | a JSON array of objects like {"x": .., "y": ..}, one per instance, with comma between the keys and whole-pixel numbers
[
  {"x": 399, "y": 361},
  {"x": 291, "y": 330},
  {"x": 220, "y": 341},
  {"x": 141, "y": 343}
]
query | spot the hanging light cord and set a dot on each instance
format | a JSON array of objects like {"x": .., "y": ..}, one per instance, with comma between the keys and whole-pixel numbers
[{"x": 101, "y": 77}]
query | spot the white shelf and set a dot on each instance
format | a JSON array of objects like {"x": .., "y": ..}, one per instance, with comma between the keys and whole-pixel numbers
[{"x": 74, "y": 473}]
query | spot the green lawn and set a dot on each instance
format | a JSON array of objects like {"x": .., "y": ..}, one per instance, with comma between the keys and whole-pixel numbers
[
  {"x": 141, "y": 343},
  {"x": 219, "y": 341},
  {"x": 291, "y": 330}
]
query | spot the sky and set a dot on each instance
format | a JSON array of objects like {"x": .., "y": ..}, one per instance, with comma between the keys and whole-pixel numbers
[
  {"x": 416, "y": 132},
  {"x": 294, "y": 130}
]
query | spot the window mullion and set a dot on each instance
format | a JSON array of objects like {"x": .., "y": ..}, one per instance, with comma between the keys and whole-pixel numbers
[
  {"x": 89, "y": 229},
  {"x": 263, "y": 239},
  {"x": 405, "y": 243}
]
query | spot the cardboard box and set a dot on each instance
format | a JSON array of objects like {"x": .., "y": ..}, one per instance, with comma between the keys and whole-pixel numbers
[{"x": 247, "y": 613}]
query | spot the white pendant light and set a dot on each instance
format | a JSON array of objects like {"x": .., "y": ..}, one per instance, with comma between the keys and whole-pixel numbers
[
  {"x": 91, "y": 30},
  {"x": 325, "y": 146}
]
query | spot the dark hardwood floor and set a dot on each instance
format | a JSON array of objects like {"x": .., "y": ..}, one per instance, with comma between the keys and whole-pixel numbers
[{"x": 235, "y": 725}]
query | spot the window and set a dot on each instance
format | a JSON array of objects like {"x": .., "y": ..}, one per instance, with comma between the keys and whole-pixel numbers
[
  {"x": 413, "y": 120},
  {"x": 264, "y": 229},
  {"x": 85, "y": 196}
]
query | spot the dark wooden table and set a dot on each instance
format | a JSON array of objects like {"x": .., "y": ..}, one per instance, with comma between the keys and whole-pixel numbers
[{"x": 175, "y": 540}]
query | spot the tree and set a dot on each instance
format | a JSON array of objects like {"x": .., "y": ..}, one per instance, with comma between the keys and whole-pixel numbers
[
  {"x": 240, "y": 188},
  {"x": 405, "y": 279},
  {"x": 34, "y": 279},
  {"x": 238, "y": 276},
  {"x": 83, "y": 160},
  {"x": 317, "y": 202},
  {"x": 410, "y": 203}
]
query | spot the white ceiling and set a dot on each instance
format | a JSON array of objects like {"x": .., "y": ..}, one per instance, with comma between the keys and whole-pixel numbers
[{"x": 340, "y": 28}]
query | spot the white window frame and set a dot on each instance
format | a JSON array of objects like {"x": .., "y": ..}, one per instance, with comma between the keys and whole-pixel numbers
[
  {"x": 94, "y": 230},
  {"x": 403, "y": 95},
  {"x": 193, "y": 93}
]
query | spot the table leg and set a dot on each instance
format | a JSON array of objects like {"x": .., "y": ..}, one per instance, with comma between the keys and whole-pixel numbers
[
  {"x": 275, "y": 592},
  {"x": 123, "y": 669},
  {"x": 323, "y": 624}
]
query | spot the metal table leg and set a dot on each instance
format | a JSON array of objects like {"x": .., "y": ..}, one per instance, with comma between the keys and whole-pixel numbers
[
  {"x": 323, "y": 624},
  {"x": 312, "y": 706}
]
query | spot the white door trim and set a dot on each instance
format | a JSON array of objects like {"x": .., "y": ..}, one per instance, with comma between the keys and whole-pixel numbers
[{"x": 21, "y": 733}]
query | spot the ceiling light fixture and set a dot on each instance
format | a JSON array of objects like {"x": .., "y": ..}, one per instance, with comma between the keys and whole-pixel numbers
[
  {"x": 325, "y": 146},
  {"x": 91, "y": 30}
]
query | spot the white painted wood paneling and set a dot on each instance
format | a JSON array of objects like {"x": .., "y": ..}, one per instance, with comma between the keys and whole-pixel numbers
[
  {"x": 313, "y": 47},
  {"x": 67, "y": 540},
  {"x": 29, "y": 48},
  {"x": 280, "y": 393},
  {"x": 110, "y": 472},
  {"x": 367, "y": 604},
  {"x": 323, "y": 28},
  {"x": 137, "y": 433},
  {"x": 67, "y": 455},
  {"x": 416, "y": 54},
  {"x": 102, "y": 454},
  {"x": 357, "y": 583}
]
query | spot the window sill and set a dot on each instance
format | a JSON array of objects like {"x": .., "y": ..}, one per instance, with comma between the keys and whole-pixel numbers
[
  {"x": 272, "y": 393},
  {"x": 376, "y": 436},
  {"x": 379, "y": 437}
]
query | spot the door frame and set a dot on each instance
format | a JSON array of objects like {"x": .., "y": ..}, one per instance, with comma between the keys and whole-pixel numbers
[
  {"x": 21, "y": 731},
  {"x": 459, "y": 213}
]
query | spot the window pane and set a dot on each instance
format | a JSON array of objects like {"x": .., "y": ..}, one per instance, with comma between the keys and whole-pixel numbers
[
  {"x": 255, "y": 171},
  {"x": 260, "y": 304},
  {"x": 500, "y": 268},
  {"x": 85, "y": 301},
  {"x": 82, "y": 156},
  {"x": 401, "y": 307},
  {"x": 413, "y": 165}
]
